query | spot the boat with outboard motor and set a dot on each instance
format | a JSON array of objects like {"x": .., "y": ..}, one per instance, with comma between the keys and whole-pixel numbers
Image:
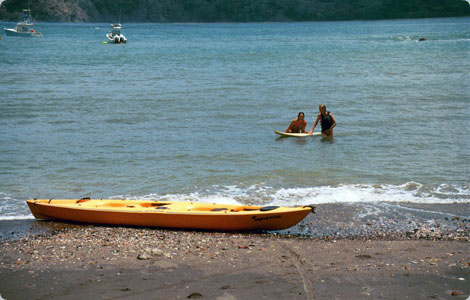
[
  {"x": 115, "y": 36},
  {"x": 24, "y": 28},
  {"x": 169, "y": 214}
]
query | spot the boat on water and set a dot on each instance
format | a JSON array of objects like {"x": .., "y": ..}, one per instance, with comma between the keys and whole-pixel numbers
[
  {"x": 169, "y": 214},
  {"x": 24, "y": 28},
  {"x": 115, "y": 36}
]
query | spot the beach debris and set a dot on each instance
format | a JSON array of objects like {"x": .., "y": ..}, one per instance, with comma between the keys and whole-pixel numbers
[
  {"x": 194, "y": 295},
  {"x": 227, "y": 296},
  {"x": 226, "y": 287},
  {"x": 456, "y": 293},
  {"x": 147, "y": 253},
  {"x": 363, "y": 256},
  {"x": 143, "y": 256}
]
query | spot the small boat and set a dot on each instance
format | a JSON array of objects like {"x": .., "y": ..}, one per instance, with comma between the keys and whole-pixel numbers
[
  {"x": 24, "y": 28},
  {"x": 169, "y": 214},
  {"x": 115, "y": 36}
]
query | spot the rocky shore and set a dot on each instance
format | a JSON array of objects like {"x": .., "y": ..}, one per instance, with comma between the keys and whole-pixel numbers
[{"x": 75, "y": 261}]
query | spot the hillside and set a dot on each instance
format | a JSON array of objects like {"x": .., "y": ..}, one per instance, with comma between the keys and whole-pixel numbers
[{"x": 231, "y": 11}]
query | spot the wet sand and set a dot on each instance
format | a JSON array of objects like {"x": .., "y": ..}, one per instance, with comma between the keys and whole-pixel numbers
[{"x": 423, "y": 260}]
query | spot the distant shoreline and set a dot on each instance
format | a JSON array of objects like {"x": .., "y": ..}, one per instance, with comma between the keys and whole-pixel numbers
[
  {"x": 205, "y": 11},
  {"x": 235, "y": 22}
]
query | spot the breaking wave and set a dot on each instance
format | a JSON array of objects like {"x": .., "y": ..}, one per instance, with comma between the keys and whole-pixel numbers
[
  {"x": 262, "y": 195},
  {"x": 259, "y": 194}
]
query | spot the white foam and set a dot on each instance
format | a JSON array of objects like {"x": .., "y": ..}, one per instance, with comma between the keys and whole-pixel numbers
[
  {"x": 264, "y": 195},
  {"x": 409, "y": 192},
  {"x": 5, "y": 196},
  {"x": 16, "y": 217},
  {"x": 11, "y": 209}
]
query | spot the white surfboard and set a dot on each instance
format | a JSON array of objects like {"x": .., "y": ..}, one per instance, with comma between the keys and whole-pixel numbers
[{"x": 288, "y": 134}]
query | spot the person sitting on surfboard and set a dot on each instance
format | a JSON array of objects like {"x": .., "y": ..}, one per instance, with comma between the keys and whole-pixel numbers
[
  {"x": 327, "y": 121},
  {"x": 297, "y": 125}
]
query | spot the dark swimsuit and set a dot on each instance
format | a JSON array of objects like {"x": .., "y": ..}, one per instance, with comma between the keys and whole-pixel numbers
[{"x": 326, "y": 122}]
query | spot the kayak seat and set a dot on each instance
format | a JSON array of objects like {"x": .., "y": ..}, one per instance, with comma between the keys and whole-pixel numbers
[
  {"x": 268, "y": 208},
  {"x": 219, "y": 209},
  {"x": 153, "y": 204},
  {"x": 81, "y": 200},
  {"x": 243, "y": 208}
]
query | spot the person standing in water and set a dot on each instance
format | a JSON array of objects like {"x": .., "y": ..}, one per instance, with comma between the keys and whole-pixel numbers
[
  {"x": 327, "y": 122},
  {"x": 297, "y": 125}
]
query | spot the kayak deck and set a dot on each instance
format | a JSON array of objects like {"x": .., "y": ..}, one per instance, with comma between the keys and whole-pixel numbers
[{"x": 169, "y": 214}]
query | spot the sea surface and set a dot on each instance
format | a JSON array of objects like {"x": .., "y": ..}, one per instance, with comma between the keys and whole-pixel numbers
[{"x": 187, "y": 112}]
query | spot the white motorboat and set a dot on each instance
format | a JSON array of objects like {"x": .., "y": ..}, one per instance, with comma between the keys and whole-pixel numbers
[
  {"x": 24, "y": 28},
  {"x": 115, "y": 36}
]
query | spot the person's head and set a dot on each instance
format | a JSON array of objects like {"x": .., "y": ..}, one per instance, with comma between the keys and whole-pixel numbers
[
  {"x": 301, "y": 115},
  {"x": 322, "y": 109}
]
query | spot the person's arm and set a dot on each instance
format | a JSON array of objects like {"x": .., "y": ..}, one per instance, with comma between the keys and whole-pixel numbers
[
  {"x": 290, "y": 126},
  {"x": 314, "y": 124},
  {"x": 334, "y": 121},
  {"x": 332, "y": 125}
]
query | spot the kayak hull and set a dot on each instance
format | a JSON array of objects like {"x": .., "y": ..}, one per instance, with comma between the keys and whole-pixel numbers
[{"x": 167, "y": 214}]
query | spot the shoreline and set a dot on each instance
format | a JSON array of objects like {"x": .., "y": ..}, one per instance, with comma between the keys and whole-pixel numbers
[
  {"x": 383, "y": 220},
  {"x": 74, "y": 261}
]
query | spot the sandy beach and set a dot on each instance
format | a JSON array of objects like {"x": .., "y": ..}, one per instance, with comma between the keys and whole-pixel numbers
[{"x": 73, "y": 261}]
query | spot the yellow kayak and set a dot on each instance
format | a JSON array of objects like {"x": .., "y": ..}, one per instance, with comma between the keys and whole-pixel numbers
[{"x": 169, "y": 214}]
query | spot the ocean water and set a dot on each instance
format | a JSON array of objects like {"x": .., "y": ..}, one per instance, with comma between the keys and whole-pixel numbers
[{"x": 187, "y": 112}]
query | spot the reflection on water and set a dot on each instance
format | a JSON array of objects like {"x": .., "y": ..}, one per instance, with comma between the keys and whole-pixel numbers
[
  {"x": 17, "y": 229},
  {"x": 328, "y": 139}
]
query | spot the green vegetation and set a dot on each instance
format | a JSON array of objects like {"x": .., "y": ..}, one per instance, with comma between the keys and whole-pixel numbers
[{"x": 232, "y": 10}]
